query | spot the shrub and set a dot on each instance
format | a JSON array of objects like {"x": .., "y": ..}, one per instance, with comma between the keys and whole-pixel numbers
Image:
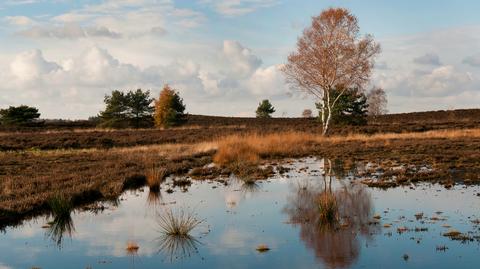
[{"x": 264, "y": 109}]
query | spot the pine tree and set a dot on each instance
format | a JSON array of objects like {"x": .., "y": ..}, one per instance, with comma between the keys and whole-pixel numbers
[
  {"x": 131, "y": 109},
  {"x": 351, "y": 108},
  {"x": 139, "y": 108},
  {"x": 18, "y": 115},
  {"x": 264, "y": 109}
]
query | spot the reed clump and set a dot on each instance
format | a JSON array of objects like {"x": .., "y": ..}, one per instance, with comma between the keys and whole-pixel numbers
[
  {"x": 132, "y": 247},
  {"x": 60, "y": 206},
  {"x": 178, "y": 223},
  {"x": 155, "y": 176}
]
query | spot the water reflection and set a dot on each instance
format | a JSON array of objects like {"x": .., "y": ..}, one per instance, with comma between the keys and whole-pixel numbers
[
  {"x": 336, "y": 243},
  {"x": 61, "y": 225},
  {"x": 154, "y": 198},
  {"x": 249, "y": 187},
  {"x": 132, "y": 251},
  {"x": 240, "y": 189},
  {"x": 177, "y": 247},
  {"x": 231, "y": 236}
]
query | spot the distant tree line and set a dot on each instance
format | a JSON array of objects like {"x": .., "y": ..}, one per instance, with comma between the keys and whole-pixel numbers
[{"x": 137, "y": 109}]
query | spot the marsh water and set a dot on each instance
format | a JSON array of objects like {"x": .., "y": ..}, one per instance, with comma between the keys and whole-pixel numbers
[{"x": 400, "y": 227}]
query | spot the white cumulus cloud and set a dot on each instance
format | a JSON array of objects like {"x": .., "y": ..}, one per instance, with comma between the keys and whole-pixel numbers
[{"x": 31, "y": 65}]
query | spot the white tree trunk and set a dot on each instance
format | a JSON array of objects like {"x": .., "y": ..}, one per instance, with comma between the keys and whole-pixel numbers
[
  {"x": 327, "y": 122},
  {"x": 323, "y": 110},
  {"x": 326, "y": 108}
]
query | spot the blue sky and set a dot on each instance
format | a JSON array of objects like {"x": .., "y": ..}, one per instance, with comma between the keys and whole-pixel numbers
[{"x": 224, "y": 56}]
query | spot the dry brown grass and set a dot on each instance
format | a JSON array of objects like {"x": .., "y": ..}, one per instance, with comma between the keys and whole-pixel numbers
[
  {"x": 155, "y": 176},
  {"x": 132, "y": 247},
  {"x": 436, "y": 134},
  {"x": 29, "y": 178},
  {"x": 250, "y": 148}
]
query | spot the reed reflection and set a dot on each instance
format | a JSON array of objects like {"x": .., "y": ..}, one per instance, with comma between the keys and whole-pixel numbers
[
  {"x": 175, "y": 241},
  {"x": 62, "y": 223}
]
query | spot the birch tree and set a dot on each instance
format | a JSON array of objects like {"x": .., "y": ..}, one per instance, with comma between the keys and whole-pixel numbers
[
  {"x": 377, "y": 102},
  {"x": 331, "y": 55}
]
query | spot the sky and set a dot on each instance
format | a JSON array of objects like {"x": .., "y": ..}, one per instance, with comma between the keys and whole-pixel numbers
[{"x": 224, "y": 56}]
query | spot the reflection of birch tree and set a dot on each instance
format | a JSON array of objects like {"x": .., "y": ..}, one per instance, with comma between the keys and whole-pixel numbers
[{"x": 334, "y": 239}]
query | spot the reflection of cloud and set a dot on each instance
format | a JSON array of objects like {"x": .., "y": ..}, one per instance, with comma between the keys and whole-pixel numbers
[
  {"x": 2, "y": 266},
  {"x": 235, "y": 238},
  {"x": 232, "y": 238},
  {"x": 239, "y": 190},
  {"x": 108, "y": 234},
  {"x": 242, "y": 242},
  {"x": 232, "y": 199},
  {"x": 232, "y": 195},
  {"x": 27, "y": 231}
]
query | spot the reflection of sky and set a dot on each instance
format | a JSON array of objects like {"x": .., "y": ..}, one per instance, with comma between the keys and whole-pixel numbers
[{"x": 230, "y": 234}]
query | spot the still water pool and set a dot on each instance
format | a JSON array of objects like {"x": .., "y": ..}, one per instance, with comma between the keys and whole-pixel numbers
[{"x": 402, "y": 227}]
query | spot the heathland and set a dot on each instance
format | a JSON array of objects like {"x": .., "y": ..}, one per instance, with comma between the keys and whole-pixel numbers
[{"x": 84, "y": 164}]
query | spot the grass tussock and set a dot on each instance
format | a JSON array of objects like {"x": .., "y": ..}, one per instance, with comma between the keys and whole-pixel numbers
[
  {"x": 178, "y": 223},
  {"x": 328, "y": 209},
  {"x": 132, "y": 247},
  {"x": 60, "y": 206},
  {"x": 155, "y": 176},
  {"x": 262, "y": 248}
]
